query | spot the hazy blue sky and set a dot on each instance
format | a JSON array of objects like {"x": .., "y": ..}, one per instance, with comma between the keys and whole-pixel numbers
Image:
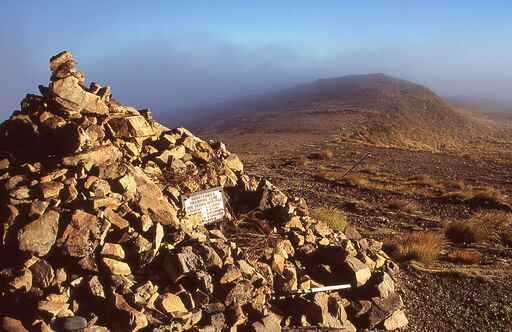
[{"x": 171, "y": 54}]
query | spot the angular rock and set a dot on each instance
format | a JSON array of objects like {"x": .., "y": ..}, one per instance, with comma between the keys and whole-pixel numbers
[
  {"x": 115, "y": 219},
  {"x": 269, "y": 323},
  {"x": 95, "y": 287},
  {"x": 117, "y": 267},
  {"x": 151, "y": 200},
  {"x": 39, "y": 236},
  {"x": 12, "y": 325},
  {"x": 383, "y": 308},
  {"x": 113, "y": 250},
  {"x": 71, "y": 96},
  {"x": 172, "y": 304},
  {"x": 16, "y": 280},
  {"x": 130, "y": 126},
  {"x": 234, "y": 163},
  {"x": 50, "y": 189},
  {"x": 396, "y": 321},
  {"x": 98, "y": 156},
  {"x": 42, "y": 274},
  {"x": 133, "y": 318},
  {"x": 360, "y": 273},
  {"x": 82, "y": 235}
]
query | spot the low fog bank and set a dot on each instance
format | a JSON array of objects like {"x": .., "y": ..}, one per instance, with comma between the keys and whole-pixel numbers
[{"x": 172, "y": 76}]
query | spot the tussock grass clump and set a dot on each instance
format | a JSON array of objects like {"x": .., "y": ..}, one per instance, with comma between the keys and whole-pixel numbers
[
  {"x": 424, "y": 247},
  {"x": 466, "y": 231},
  {"x": 464, "y": 257},
  {"x": 485, "y": 197},
  {"x": 404, "y": 205},
  {"x": 335, "y": 218},
  {"x": 498, "y": 223}
]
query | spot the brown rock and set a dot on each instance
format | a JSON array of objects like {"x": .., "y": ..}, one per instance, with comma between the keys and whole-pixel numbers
[
  {"x": 117, "y": 267},
  {"x": 360, "y": 273},
  {"x": 172, "y": 304},
  {"x": 396, "y": 321},
  {"x": 20, "y": 193},
  {"x": 178, "y": 264},
  {"x": 128, "y": 184},
  {"x": 383, "y": 308},
  {"x": 151, "y": 200},
  {"x": 95, "y": 287},
  {"x": 135, "y": 319},
  {"x": 130, "y": 126},
  {"x": 234, "y": 163},
  {"x": 115, "y": 219},
  {"x": 322, "y": 229},
  {"x": 106, "y": 202},
  {"x": 39, "y": 236},
  {"x": 269, "y": 323},
  {"x": 51, "y": 308},
  {"x": 82, "y": 235},
  {"x": 240, "y": 294},
  {"x": 50, "y": 189},
  {"x": 42, "y": 274},
  {"x": 14, "y": 280},
  {"x": 231, "y": 274},
  {"x": 70, "y": 95},
  {"x": 384, "y": 285},
  {"x": 59, "y": 59},
  {"x": 12, "y": 325},
  {"x": 113, "y": 250},
  {"x": 96, "y": 156},
  {"x": 4, "y": 164},
  {"x": 294, "y": 223}
]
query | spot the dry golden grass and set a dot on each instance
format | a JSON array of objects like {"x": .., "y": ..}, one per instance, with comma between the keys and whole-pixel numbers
[
  {"x": 464, "y": 257},
  {"x": 424, "y": 247},
  {"x": 333, "y": 217},
  {"x": 467, "y": 231},
  {"x": 498, "y": 223},
  {"x": 479, "y": 196},
  {"x": 403, "y": 205}
]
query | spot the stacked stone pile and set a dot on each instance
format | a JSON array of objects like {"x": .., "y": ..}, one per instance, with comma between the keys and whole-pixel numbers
[{"x": 93, "y": 236}]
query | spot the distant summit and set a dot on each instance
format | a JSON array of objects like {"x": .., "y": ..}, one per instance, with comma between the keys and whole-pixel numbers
[{"x": 373, "y": 108}]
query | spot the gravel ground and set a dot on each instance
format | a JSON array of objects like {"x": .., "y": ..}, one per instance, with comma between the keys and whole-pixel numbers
[{"x": 436, "y": 302}]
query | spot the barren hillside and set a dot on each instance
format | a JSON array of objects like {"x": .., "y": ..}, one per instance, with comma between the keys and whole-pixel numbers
[{"x": 374, "y": 109}]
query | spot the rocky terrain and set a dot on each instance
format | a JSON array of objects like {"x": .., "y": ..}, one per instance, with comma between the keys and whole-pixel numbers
[
  {"x": 94, "y": 236},
  {"x": 413, "y": 187}
]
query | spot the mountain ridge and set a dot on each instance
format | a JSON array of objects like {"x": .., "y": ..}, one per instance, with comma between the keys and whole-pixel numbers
[{"x": 372, "y": 108}]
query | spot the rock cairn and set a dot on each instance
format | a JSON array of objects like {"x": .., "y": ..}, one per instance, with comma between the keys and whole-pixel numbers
[{"x": 94, "y": 237}]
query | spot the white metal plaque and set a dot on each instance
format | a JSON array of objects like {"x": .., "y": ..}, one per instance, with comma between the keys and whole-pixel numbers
[{"x": 208, "y": 204}]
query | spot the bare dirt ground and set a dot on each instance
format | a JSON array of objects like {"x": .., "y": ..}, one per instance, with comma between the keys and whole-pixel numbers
[{"x": 439, "y": 296}]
